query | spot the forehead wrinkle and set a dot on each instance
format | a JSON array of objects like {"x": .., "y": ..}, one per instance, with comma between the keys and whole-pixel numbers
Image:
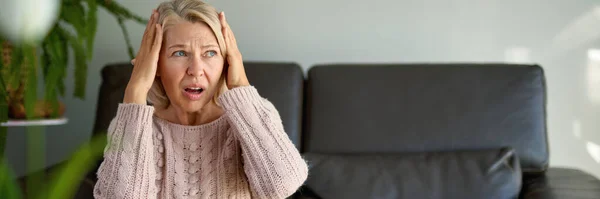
[{"x": 195, "y": 38}]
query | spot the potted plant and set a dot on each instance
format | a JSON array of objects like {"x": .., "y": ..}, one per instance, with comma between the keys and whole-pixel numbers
[
  {"x": 25, "y": 61},
  {"x": 20, "y": 63}
]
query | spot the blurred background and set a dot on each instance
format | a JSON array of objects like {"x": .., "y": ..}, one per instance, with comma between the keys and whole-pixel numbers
[{"x": 562, "y": 36}]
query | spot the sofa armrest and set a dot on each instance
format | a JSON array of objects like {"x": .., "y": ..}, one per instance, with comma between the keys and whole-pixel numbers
[{"x": 559, "y": 183}]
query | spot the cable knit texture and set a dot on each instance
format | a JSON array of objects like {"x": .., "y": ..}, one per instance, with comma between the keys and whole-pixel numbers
[{"x": 243, "y": 154}]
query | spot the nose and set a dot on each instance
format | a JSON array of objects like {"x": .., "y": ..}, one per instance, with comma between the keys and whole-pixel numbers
[{"x": 196, "y": 67}]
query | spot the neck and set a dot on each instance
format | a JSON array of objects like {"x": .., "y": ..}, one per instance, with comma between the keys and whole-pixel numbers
[{"x": 206, "y": 114}]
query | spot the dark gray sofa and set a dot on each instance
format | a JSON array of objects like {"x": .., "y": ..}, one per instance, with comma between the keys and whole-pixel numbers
[{"x": 407, "y": 130}]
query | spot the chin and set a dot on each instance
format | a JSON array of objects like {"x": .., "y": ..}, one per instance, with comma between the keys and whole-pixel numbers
[{"x": 194, "y": 106}]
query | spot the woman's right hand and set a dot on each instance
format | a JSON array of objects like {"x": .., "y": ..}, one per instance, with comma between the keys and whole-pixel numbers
[{"x": 145, "y": 63}]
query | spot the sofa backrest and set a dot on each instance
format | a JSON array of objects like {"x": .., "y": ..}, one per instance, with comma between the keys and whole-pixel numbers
[
  {"x": 115, "y": 77},
  {"x": 385, "y": 108},
  {"x": 283, "y": 85}
]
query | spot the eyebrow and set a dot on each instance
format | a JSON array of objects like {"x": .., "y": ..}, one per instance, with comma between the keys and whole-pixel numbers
[{"x": 184, "y": 45}]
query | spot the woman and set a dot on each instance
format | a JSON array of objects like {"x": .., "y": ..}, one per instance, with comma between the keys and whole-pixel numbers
[{"x": 208, "y": 134}]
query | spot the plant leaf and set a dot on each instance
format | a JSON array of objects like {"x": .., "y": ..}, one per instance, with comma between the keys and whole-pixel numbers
[
  {"x": 74, "y": 14},
  {"x": 56, "y": 51},
  {"x": 65, "y": 182},
  {"x": 51, "y": 83},
  {"x": 119, "y": 11},
  {"x": 62, "y": 50},
  {"x": 8, "y": 186},
  {"x": 52, "y": 51},
  {"x": 3, "y": 76},
  {"x": 61, "y": 87},
  {"x": 15, "y": 66},
  {"x": 30, "y": 97},
  {"x": 80, "y": 65},
  {"x": 126, "y": 36},
  {"x": 80, "y": 70},
  {"x": 91, "y": 25},
  {"x": 45, "y": 60}
]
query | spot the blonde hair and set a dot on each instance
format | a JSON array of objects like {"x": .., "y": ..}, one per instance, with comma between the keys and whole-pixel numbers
[{"x": 195, "y": 11}]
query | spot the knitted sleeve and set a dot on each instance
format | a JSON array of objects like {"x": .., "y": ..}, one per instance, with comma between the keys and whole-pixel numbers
[
  {"x": 272, "y": 163},
  {"x": 128, "y": 170}
]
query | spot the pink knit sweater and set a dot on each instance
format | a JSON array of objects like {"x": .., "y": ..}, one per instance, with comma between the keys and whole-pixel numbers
[{"x": 243, "y": 154}]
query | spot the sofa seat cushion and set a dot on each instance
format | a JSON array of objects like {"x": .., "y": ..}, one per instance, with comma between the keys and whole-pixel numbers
[{"x": 489, "y": 173}]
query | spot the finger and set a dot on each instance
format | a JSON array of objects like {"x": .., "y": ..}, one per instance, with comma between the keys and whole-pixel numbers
[
  {"x": 133, "y": 62},
  {"x": 221, "y": 15},
  {"x": 224, "y": 29},
  {"x": 231, "y": 41},
  {"x": 231, "y": 37},
  {"x": 227, "y": 32},
  {"x": 149, "y": 25},
  {"x": 145, "y": 35},
  {"x": 150, "y": 21},
  {"x": 157, "y": 39},
  {"x": 223, "y": 24},
  {"x": 151, "y": 32}
]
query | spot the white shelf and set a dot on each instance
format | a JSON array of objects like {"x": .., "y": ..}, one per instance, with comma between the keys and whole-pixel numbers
[{"x": 42, "y": 122}]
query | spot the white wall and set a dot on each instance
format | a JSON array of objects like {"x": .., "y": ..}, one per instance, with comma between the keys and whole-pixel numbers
[{"x": 554, "y": 33}]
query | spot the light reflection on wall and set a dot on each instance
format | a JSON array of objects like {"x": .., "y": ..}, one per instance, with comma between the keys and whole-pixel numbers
[
  {"x": 593, "y": 76},
  {"x": 584, "y": 30},
  {"x": 594, "y": 151},
  {"x": 593, "y": 91},
  {"x": 517, "y": 55},
  {"x": 577, "y": 129}
]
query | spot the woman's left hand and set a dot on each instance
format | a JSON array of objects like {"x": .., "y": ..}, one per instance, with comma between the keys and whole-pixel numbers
[{"x": 236, "y": 75}]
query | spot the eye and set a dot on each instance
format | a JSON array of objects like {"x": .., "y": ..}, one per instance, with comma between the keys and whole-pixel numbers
[
  {"x": 211, "y": 53},
  {"x": 179, "y": 53}
]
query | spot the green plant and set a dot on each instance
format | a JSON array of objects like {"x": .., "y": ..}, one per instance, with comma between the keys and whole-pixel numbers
[
  {"x": 64, "y": 181},
  {"x": 75, "y": 31}
]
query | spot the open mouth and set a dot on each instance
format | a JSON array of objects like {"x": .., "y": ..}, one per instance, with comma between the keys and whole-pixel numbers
[{"x": 194, "y": 90}]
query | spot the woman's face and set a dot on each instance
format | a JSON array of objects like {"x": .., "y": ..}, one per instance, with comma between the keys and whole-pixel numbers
[{"x": 190, "y": 65}]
